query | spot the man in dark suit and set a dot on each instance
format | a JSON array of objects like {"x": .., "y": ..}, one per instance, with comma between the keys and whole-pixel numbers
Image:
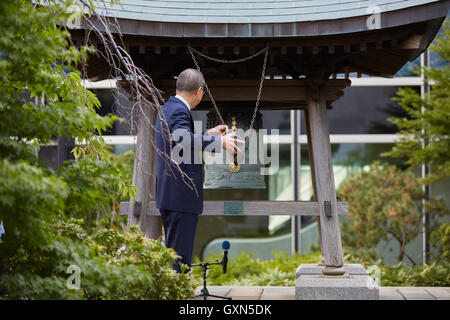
[{"x": 179, "y": 188}]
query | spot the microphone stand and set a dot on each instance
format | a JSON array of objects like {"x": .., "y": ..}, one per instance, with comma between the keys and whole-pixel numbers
[{"x": 204, "y": 292}]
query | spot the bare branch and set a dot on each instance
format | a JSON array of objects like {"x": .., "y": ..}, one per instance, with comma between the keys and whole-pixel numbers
[{"x": 103, "y": 32}]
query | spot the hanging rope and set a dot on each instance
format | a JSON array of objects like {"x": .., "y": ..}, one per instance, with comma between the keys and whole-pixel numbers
[
  {"x": 265, "y": 50},
  {"x": 229, "y": 61}
]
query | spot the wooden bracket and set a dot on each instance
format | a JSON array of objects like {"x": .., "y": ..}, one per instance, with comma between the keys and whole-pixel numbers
[
  {"x": 327, "y": 208},
  {"x": 137, "y": 208}
]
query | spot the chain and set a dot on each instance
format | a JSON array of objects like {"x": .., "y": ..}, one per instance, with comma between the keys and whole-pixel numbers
[
  {"x": 263, "y": 73},
  {"x": 266, "y": 50},
  {"x": 207, "y": 88}
]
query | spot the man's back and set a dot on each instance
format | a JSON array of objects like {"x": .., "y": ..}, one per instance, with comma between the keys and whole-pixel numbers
[{"x": 174, "y": 190}]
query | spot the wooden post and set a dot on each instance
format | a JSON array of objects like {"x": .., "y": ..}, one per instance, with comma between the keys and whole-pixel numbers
[
  {"x": 313, "y": 179},
  {"x": 144, "y": 177},
  {"x": 324, "y": 180}
]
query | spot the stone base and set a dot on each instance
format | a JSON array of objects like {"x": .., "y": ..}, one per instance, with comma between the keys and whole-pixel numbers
[{"x": 355, "y": 284}]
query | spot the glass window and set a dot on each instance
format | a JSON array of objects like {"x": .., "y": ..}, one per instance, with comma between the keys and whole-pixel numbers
[
  {"x": 106, "y": 101},
  {"x": 347, "y": 158},
  {"x": 277, "y": 119},
  {"x": 363, "y": 110},
  {"x": 274, "y": 232},
  {"x": 408, "y": 69},
  {"x": 122, "y": 148},
  {"x": 117, "y": 102},
  {"x": 271, "y": 119},
  {"x": 437, "y": 61},
  {"x": 278, "y": 187}
]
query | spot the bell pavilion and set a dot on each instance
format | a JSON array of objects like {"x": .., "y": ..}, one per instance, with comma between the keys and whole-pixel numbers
[{"x": 309, "y": 44}]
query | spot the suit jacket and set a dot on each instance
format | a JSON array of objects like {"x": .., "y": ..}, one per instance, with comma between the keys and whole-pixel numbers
[{"x": 172, "y": 193}]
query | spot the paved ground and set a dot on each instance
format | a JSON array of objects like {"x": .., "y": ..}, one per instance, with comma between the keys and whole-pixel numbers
[{"x": 288, "y": 293}]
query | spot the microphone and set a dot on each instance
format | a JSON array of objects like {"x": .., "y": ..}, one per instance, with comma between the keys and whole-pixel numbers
[{"x": 225, "y": 247}]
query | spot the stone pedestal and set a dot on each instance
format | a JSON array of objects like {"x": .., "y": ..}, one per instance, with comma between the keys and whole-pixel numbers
[{"x": 355, "y": 284}]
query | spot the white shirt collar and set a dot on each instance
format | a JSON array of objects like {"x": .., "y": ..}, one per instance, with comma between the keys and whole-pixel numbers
[{"x": 184, "y": 101}]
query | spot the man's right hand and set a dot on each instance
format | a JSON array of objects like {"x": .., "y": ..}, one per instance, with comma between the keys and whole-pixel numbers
[{"x": 229, "y": 143}]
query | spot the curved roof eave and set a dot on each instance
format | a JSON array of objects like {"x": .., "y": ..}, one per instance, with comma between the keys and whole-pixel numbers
[{"x": 243, "y": 19}]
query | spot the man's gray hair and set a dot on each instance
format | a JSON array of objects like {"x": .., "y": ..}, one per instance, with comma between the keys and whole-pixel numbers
[{"x": 190, "y": 80}]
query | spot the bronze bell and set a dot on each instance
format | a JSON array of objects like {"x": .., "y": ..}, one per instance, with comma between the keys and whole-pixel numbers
[{"x": 231, "y": 174}]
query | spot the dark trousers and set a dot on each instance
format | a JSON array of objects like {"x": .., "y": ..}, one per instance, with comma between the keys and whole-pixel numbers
[{"x": 179, "y": 230}]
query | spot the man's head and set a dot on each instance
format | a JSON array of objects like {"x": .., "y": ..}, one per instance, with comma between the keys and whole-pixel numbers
[{"x": 190, "y": 85}]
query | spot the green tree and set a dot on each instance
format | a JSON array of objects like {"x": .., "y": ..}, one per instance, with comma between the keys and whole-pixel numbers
[
  {"x": 42, "y": 97},
  {"x": 440, "y": 238},
  {"x": 428, "y": 118},
  {"x": 384, "y": 203},
  {"x": 99, "y": 185},
  {"x": 39, "y": 100}
]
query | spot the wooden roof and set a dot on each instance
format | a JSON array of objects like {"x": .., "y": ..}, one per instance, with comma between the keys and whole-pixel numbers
[
  {"x": 265, "y": 18},
  {"x": 251, "y": 11},
  {"x": 156, "y": 34}
]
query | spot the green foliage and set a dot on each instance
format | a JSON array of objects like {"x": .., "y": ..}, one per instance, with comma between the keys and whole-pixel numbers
[
  {"x": 432, "y": 124},
  {"x": 384, "y": 202},
  {"x": 364, "y": 256},
  {"x": 248, "y": 271},
  {"x": 39, "y": 245},
  {"x": 245, "y": 270},
  {"x": 40, "y": 100},
  {"x": 440, "y": 238},
  {"x": 433, "y": 275},
  {"x": 30, "y": 198},
  {"x": 113, "y": 264},
  {"x": 43, "y": 97},
  {"x": 99, "y": 185}
]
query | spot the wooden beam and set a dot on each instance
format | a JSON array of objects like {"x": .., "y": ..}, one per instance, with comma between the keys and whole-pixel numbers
[
  {"x": 311, "y": 165},
  {"x": 384, "y": 61},
  {"x": 274, "y": 90},
  {"x": 250, "y": 208},
  {"x": 410, "y": 43},
  {"x": 330, "y": 49}
]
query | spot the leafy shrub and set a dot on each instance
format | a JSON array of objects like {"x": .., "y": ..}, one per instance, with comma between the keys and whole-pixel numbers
[
  {"x": 440, "y": 238},
  {"x": 384, "y": 202},
  {"x": 39, "y": 244},
  {"x": 96, "y": 187},
  {"x": 427, "y": 275},
  {"x": 114, "y": 265},
  {"x": 280, "y": 271},
  {"x": 246, "y": 270},
  {"x": 30, "y": 197},
  {"x": 43, "y": 97}
]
